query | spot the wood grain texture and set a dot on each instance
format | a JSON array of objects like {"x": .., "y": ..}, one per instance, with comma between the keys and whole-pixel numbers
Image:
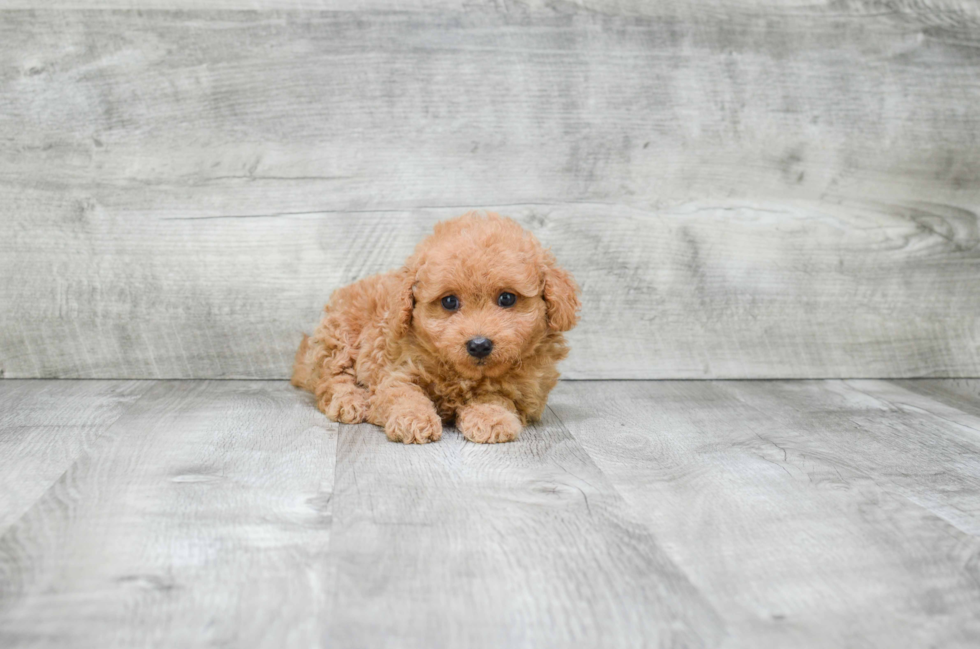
[
  {"x": 766, "y": 191},
  {"x": 811, "y": 514},
  {"x": 526, "y": 544},
  {"x": 946, "y": 14},
  {"x": 200, "y": 517},
  {"x": 637, "y": 514},
  {"x": 690, "y": 292},
  {"x": 257, "y": 5},
  {"x": 45, "y": 426},
  {"x": 963, "y": 394}
]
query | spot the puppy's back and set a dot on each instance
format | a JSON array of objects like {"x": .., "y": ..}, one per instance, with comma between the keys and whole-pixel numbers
[
  {"x": 349, "y": 311},
  {"x": 301, "y": 368}
]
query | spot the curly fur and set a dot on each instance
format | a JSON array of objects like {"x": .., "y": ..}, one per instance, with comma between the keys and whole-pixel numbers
[{"x": 387, "y": 352}]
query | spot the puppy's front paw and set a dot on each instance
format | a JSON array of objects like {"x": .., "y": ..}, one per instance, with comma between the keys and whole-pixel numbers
[
  {"x": 488, "y": 423},
  {"x": 414, "y": 426},
  {"x": 348, "y": 407}
]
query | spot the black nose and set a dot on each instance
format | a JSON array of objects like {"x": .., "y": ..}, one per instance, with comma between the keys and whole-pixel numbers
[{"x": 479, "y": 347}]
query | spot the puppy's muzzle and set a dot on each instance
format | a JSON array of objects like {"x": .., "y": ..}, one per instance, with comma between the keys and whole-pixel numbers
[{"x": 479, "y": 347}]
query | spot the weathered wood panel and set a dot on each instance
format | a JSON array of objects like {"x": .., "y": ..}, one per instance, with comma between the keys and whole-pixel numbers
[
  {"x": 638, "y": 514},
  {"x": 45, "y": 426},
  {"x": 811, "y": 514},
  {"x": 281, "y": 5},
  {"x": 525, "y": 544},
  {"x": 772, "y": 192},
  {"x": 200, "y": 517},
  {"x": 963, "y": 394},
  {"x": 690, "y": 292}
]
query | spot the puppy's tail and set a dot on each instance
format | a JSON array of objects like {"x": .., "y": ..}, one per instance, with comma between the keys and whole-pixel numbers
[{"x": 301, "y": 366}]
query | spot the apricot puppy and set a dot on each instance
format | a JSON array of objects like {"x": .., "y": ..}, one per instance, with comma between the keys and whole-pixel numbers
[{"x": 469, "y": 329}]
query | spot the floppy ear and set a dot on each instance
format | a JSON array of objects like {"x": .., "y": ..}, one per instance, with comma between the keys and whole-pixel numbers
[
  {"x": 560, "y": 295},
  {"x": 401, "y": 301}
]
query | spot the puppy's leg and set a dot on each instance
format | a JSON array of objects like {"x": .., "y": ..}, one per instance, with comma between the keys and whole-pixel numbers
[
  {"x": 342, "y": 399},
  {"x": 338, "y": 395},
  {"x": 488, "y": 420},
  {"x": 406, "y": 413}
]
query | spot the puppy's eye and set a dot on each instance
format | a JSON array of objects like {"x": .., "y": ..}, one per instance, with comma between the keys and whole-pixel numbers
[
  {"x": 450, "y": 303},
  {"x": 506, "y": 299}
]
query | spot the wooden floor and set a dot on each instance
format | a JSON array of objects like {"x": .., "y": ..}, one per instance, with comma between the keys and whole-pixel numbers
[{"x": 636, "y": 514}]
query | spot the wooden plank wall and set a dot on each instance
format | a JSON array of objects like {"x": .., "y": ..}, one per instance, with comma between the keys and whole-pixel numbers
[{"x": 763, "y": 189}]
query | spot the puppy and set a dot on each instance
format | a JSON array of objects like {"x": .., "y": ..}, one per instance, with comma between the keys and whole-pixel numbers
[{"x": 468, "y": 330}]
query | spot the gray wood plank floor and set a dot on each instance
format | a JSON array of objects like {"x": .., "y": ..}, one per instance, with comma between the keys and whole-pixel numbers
[{"x": 637, "y": 513}]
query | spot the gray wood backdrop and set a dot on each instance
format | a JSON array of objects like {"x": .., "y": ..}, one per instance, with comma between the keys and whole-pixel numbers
[{"x": 743, "y": 189}]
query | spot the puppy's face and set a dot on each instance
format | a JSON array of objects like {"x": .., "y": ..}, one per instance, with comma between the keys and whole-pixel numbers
[
  {"x": 480, "y": 314},
  {"x": 481, "y": 295}
]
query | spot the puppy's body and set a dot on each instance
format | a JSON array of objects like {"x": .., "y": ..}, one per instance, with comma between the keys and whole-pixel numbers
[{"x": 390, "y": 351}]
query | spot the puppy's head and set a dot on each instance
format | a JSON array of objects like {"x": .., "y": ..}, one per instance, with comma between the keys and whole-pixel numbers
[{"x": 481, "y": 293}]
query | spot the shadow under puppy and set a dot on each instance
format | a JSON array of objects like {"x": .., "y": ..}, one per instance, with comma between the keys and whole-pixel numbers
[{"x": 469, "y": 329}]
